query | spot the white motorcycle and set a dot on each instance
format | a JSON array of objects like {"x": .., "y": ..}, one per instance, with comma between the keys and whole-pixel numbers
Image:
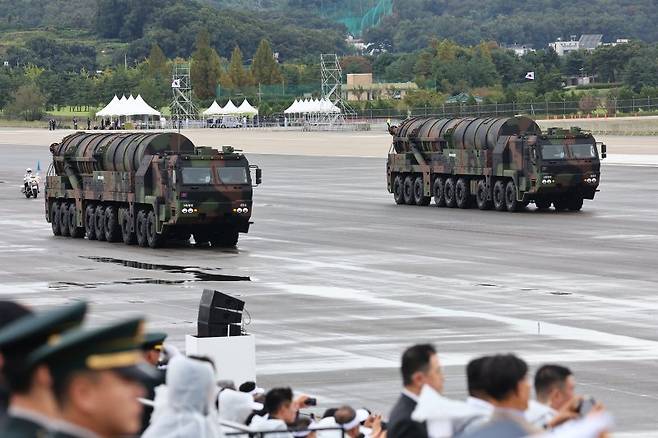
[{"x": 30, "y": 187}]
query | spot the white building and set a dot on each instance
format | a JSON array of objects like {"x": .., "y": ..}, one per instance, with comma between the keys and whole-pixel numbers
[{"x": 586, "y": 42}]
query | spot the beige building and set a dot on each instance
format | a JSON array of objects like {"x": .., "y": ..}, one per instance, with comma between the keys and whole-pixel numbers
[{"x": 360, "y": 87}]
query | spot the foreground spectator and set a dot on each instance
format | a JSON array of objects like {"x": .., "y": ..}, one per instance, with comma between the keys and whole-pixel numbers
[
  {"x": 477, "y": 399},
  {"x": 236, "y": 406},
  {"x": 96, "y": 375},
  {"x": 556, "y": 400},
  {"x": 350, "y": 420},
  {"x": 151, "y": 350},
  {"x": 32, "y": 404},
  {"x": 280, "y": 412},
  {"x": 505, "y": 381},
  {"x": 420, "y": 366},
  {"x": 189, "y": 408}
]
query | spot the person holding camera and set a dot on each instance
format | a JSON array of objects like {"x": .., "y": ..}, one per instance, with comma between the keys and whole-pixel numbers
[{"x": 280, "y": 412}]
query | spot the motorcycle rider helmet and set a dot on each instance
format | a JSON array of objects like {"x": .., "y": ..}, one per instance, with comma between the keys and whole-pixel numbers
[{"x": 28, "y": 170}]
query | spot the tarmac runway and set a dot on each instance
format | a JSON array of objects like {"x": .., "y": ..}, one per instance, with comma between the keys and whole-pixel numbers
[{"x": 341, "y": 280}]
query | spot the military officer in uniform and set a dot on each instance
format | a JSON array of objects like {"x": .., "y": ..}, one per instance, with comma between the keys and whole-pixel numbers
[
  {"x": 97, "y": 376},
  {"x": 32, "y": 406},
  {"x": 151, "y": 349}
]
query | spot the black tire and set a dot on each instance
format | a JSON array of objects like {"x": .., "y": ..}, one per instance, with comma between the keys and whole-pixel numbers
[
  {"x": 511, "y": 202},
  {"x": 482, "y": 196},
  {"x": 201, "y": 238},
  {"x": 90, "y": 222},
  {"x": 74, "y": 230},
  {"x": 462, "y": 193},
  {"x": 111, "y": 224},
  {"x": 27, "y": 193},
  {"x": 449, "y": 193},
  {"x": 64, "y": 219},
  {"x": 408, "y": 190},
  {"x": 398, "y": 190},
  {"x": 419, "y": 192},
  {"x": 575, "y": 203},
  {"x": 543, "y": 204},
  {"x": 54, "y": 218},
  {"x": 226, "y": 239},
  {"x": 499, "y": 196},
  {"x": 99, "y": 222},
  {"x": 437, "y": 190},
  {"x": 35, "y": 194},
  {"x": 560, "y": 204},
  {"x": 127, "y": 235},
  {"x": 140, "y": 228},
  {"x": 153, "y": 239}
]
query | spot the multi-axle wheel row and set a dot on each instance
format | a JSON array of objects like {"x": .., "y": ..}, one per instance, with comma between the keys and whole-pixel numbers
[
  {"x": 107, "y": 222},
  {"x": 455, "y": 191},
  {"x": 113, "y": 222}
]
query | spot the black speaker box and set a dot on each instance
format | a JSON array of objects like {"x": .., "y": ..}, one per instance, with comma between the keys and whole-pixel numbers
[
  {"x": 206, "y": 330},
  {"x": 215, "y": 315},
  {"x": 214, "y": 298}
]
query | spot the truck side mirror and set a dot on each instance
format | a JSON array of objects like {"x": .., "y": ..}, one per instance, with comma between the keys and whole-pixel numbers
[
  {"x": 259, "y": 175},
  {"x": 603, "y": 151}
]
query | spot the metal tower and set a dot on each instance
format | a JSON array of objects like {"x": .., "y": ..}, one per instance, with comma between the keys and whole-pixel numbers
[
  {"x": 332, "y": 79},
  {"x": 182, "y": 107}
]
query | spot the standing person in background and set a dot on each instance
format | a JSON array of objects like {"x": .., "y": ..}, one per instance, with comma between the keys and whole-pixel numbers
[
  {"x": 32, "y": 405},
  {"x": 75, "y": 123},
  {"x": 420, "y": 366},
  {"x": 88, "y": 123}
]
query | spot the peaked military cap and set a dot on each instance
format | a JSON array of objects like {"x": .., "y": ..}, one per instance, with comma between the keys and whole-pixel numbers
[
  {"x": 31, "y": 332},
  {"x": 114, "y": 347},
  {"x": 153, "y": 340}
]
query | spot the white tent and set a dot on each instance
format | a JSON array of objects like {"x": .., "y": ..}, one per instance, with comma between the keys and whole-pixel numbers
[
  {"x": 213, "y": 110},
  {"x": 109, "y": 108},
  {"x": 246, "y": 108},
  {"x": 144, "y": 108},
  {"x": 230, "y": 108}
]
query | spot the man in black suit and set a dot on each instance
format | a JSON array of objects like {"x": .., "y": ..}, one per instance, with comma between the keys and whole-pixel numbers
[{"x": 420, "y": 366}]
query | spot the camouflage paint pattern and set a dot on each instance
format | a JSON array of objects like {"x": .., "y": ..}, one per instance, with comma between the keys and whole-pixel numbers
[
  {"x": 135, "y": 171},
  {"x": 493, "y": 149}
]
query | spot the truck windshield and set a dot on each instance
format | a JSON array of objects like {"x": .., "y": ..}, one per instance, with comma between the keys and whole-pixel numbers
[
  {"x": 232, "y": 175},
  {"x": 196, "y": 175},
  {"x": 583, "y": 150},
  {"x": 553, "y": 152}
]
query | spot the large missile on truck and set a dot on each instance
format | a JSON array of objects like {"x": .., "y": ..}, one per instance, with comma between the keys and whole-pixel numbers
[
  {"x": 145, "y": 188},
  {"x": 501, "y": 163}
]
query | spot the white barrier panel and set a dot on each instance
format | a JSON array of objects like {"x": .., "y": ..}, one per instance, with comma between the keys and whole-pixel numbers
[{"x": 234, "y": 356}]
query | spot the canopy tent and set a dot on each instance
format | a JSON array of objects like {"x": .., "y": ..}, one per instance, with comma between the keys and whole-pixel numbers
[
  {"x": 230, "y": 108},
  {"x": 128, "y": 107},
  {"x": 246, "y": 108},
  {"x": 312, "y": 106},
  {"x": 213, "y": 110}
]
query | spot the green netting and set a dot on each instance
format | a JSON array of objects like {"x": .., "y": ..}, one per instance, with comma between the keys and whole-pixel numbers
[{"x": 357, "y": 15}]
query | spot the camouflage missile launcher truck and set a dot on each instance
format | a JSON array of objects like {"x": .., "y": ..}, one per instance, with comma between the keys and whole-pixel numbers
[
  {"x": 146, "y": 188},
  {"x": 501, "y": 163}
]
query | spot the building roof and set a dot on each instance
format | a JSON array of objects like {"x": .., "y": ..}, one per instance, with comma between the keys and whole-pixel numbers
[
  {"x": 590, "y": 41},
  {"x": 381, "y": 86}
]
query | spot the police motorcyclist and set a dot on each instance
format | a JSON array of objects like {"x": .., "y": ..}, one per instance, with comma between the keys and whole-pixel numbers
[{"x": 27, "y": 177}]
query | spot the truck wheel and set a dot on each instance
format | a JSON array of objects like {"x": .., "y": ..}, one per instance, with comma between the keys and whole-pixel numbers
[
  {"x": 127, "y": 235},
  {"x": 419, "y": 192},
  {"x": 90, "y": 222},
  {"x": 462, "y": 193},
  {"x": 575, "y": 203},
  {"x": 543, "y": 204},
  {"x": 140, "y": 228},
  {"x": 74, "y": 230},
  {"x": 201, "y": 238},
  {"x": 510, "y": 197},
  {"x": 482, "y": 196},
  {"x": 398, "y": 190},
  {"x": 560, "y": 204},
  {"x": 408, "y": 190},
  {"x": 449, "y": 193},
  {"x": 153, "y": 239},
  {"x": 54, "y": 218},
  {"x": 111, "y": 224},
  {"x": 99, "y": 222},
  {"x": 64, "y": 219},
  {"x": 226, "y": 239},
  {"x": 499, "y": 196},
  {"x": 437, "y": 190}
]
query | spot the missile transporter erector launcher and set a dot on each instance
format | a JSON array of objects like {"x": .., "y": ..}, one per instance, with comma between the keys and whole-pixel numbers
[
  {"x": 501, "y": 163},
  {"x": 145, "y": 188}
]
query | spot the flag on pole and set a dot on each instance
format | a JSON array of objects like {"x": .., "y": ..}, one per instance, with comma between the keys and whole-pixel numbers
[
  {"x": 530, "y": 75},
  {"x": 175, "y": 83}
]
